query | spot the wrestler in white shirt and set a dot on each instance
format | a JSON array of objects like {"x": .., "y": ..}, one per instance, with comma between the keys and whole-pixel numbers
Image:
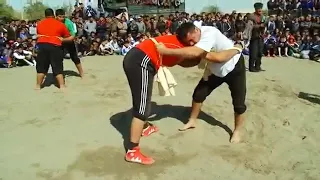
[{"x": 227, "y": 66}]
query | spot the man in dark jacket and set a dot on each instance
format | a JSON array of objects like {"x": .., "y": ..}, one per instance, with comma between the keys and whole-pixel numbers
[{"x": 254, "y": 31}]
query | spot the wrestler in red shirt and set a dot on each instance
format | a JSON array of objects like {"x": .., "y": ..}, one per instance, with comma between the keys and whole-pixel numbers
[
  {"x": 141, "y": 64},
  {"x": 51, "y": 33}
]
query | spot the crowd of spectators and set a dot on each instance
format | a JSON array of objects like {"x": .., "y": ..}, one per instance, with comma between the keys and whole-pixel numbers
[{"x": 292, "y": 29}]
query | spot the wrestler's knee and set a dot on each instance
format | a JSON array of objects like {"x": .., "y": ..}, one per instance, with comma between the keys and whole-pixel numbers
[
  {"x": 240, "y": 109},
  {"x": 76, "y": 60},
  {"x": 143, "y": 117},
  {"x": 198, "y": 96}
]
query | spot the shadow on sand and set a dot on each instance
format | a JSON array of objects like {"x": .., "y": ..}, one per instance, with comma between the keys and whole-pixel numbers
[
  {"x": 50, "y": 79},
  {"x": 122, "y": 120},
  {"x": 313, "y": 98}
]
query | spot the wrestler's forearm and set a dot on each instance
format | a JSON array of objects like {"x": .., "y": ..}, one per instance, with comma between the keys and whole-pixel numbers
[
  {"x": 70, "y": 38},
  {"x": 187, "y": 52},
  {"x": 221, "y": 56}
]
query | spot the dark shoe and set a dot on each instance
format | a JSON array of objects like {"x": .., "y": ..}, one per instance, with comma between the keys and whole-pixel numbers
[
  {"x": 259, "y": 69},
  {"x": 253, "y": 70}
]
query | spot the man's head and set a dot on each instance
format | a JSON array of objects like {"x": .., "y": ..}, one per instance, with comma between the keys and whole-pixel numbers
[
  {"x": 49, "y": 12},
  {"x": 188, "y": 34},
  {"x": 258, "y": 8},
  {"x": 60, "y": 14}
]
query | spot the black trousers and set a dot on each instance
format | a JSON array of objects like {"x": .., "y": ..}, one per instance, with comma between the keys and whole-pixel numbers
[
  {"x": 140, "y": 73},
  {"x": 236, "y": 80},
  {"x": 255, "y": 53},
  {"x": 49, "y": 54},
  {"x": 70, "y": 47}
]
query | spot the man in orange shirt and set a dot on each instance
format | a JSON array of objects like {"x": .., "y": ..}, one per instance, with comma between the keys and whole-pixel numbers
[
  {"x": 141, "y": 64},
  {"x": 51, "y": 33}
]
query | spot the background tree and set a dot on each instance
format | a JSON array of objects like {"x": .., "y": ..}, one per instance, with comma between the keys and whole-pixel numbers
[
  {"x": 68, "y": 8},
  {"x": 6, "y": 10},
  {"x": 210, "y": 9},
  {"x": 265, "y": 12},
  {"x": 34, "y": 11}
]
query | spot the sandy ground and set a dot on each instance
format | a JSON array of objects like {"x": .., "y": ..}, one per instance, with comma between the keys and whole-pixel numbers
[{"x": 49, "y": 135}]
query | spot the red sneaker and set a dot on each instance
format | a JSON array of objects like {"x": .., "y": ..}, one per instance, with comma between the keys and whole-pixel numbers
[
  {"x": 135, "y": 156},
  {"x": 149, "y": 130}
]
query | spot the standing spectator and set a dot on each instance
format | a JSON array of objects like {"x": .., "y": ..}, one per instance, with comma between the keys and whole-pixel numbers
[
  {"x": 134, "y": 28},
  {"x": 141, "y": 25},
  {"x": 240, "y": 24},
  {"x": 305, "y": 23},
  {"x": 90, "y": 26},
  {"x": 161, "y": 24},
  {"x": 198, "y": 22},
  {"x": 224, "y": 26},
  {"x": 272, "y": 7},
  {"x": 33, "y": 30},
  {"x": 254, "y": 33},
  {"x": 101, "y": 28},
  {"x": 78, "y": 12},
  {"x": 271, "y": 25},
  {"x": 174, "y": 25},
  {"x": 295, "y": 26},
  {"x": 122, "y": 27},
  {"x": 280, "y": 23},
  {"x": 306, "y": 7}
]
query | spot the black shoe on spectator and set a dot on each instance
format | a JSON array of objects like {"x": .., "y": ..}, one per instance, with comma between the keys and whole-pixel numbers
[
  {"x": 253, "y": 70},
  {"x": 259, "y": 69}
]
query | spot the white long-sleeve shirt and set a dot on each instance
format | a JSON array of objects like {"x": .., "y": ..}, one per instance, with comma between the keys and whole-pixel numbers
[
  {"x": 114, "y": 45},
  {"x": 22, "y": 55}
]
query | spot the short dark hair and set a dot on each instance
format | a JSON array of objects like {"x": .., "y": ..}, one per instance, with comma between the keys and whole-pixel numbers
[
  {"x": 184, "y": 29},
  {"x": 60, "y": 12},
  {"x": 48, "y": 12}
]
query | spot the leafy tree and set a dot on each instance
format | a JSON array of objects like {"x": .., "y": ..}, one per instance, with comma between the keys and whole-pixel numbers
[
  {"x": 210, "y": 9},
  {"x": 6, "y": 10},
  {"x": 265, "y": 12},
  {"x": 35, "y": 10},
  {"x": 67, "y": 8}
]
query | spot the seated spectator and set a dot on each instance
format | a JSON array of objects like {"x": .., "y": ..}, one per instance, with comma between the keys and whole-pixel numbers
[
  {"x": 105, "y": 48},
  {"x": 140, "y": 38},
  {"x": 115, "y": 46},
  {"x": 5, "y": 56},
  {"x": 23, "y": 35},
  {"x": 20, "y": 56},
  {"x": 270, "y": 44},
  {"x": 314, "y": 53},
  {"x": 131, "y": 40},
  {"x": 125, "y": 48},
  {"x": 94, "y": 48},
  {"x": 293, "y": 46},
  {"x": 282, "y": 45},
  {"x": 304, "y": 48}
]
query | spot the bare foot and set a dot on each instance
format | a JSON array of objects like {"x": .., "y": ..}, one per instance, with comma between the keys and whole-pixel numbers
[
  {"x": 63, "y": 89},
  {"x": 37, "y": 88},
  {"x": 190, "y": 125},
  {"x": 236, "y": 137}
]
